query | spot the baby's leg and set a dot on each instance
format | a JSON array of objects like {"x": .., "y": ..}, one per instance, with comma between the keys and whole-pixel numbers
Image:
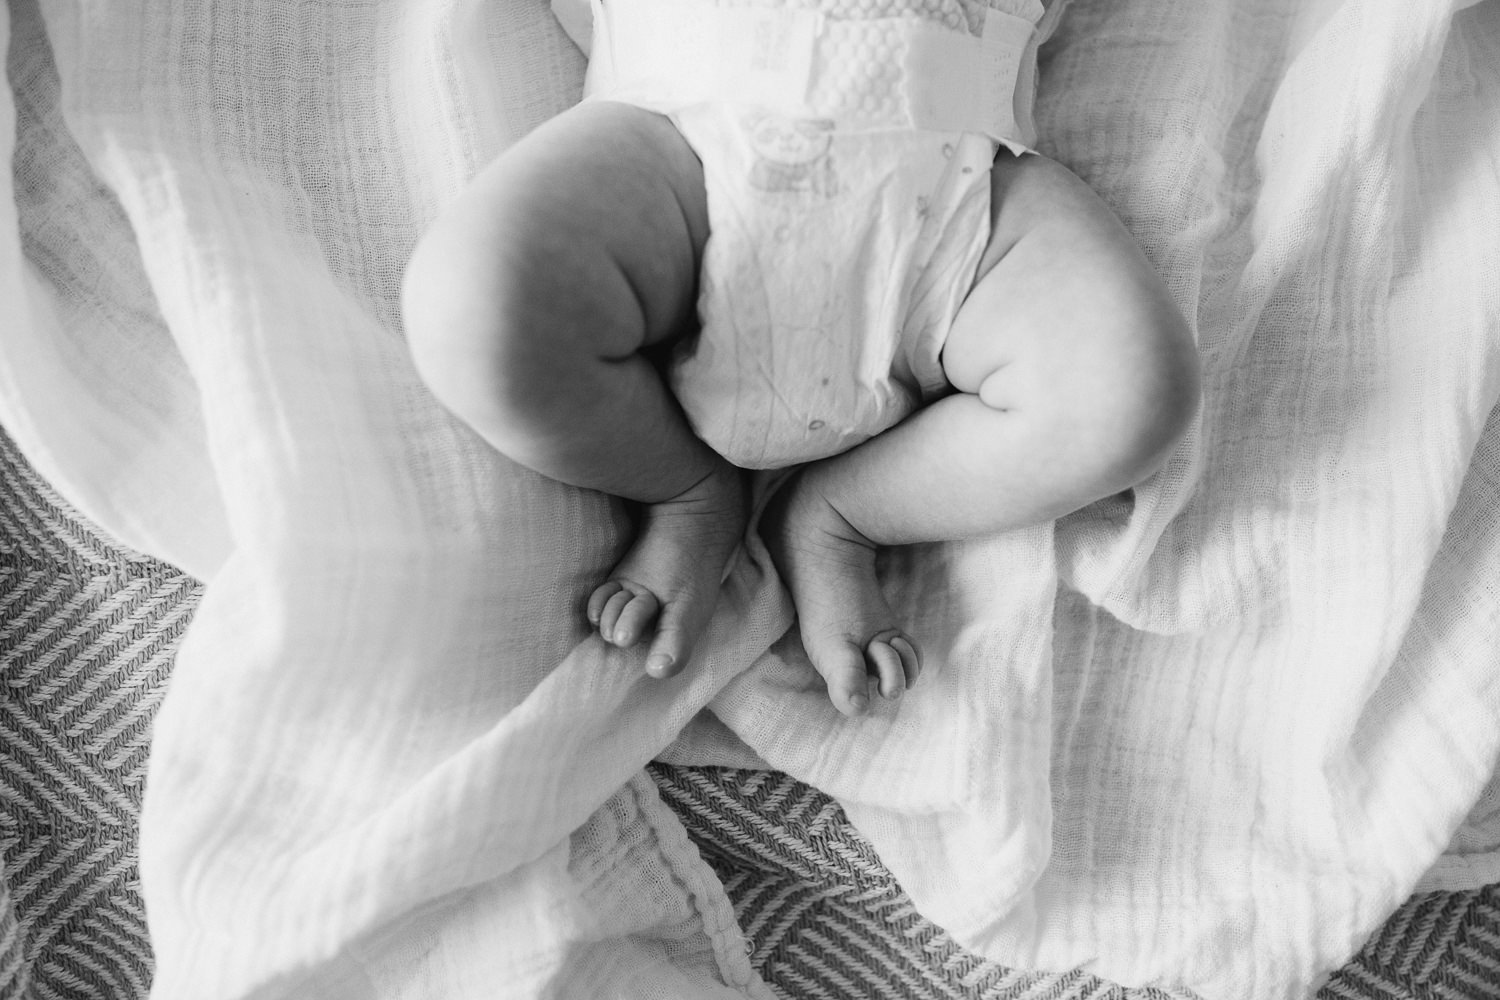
[
  {"x": 1076, "y": 376},
  {"x": 527, "y": 308}
]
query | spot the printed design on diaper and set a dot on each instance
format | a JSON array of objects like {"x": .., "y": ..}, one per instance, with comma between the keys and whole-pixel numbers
[
  {"x": 777, "y": 376},
  {"x": 819, "y": 329},
  {"x": 792, "y": 155}
]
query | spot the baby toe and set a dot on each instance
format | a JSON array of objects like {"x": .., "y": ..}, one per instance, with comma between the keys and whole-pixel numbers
[
  {"x": 635, "y": 617},
  {"x": 885, "y": 664},
  {"x": 842, "y": 666},
  {"x": 609, "y": 618},
  {"x": 679, "y": 626},
  {"x": 911, "y": 657},
  {"x": 600, "y": 598}
]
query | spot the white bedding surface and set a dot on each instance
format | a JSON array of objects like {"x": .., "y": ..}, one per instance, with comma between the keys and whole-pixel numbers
[{"x": 1208, "y": 738}]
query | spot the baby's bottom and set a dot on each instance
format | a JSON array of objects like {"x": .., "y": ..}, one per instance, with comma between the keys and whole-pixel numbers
[{"x": 532, "y": 304}]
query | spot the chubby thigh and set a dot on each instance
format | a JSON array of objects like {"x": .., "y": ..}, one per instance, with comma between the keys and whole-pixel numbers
[
  {"x": 1070, "y": 329},
  {"x": 835, "y": 263}
]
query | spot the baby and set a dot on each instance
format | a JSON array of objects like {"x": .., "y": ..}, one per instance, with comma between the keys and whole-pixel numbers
[{"x": 807, "y": 236}]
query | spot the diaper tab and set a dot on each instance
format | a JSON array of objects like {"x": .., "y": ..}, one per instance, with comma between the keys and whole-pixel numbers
[
  {"x": 883, "y": 73},
  {"x": 964, "y": 84}
]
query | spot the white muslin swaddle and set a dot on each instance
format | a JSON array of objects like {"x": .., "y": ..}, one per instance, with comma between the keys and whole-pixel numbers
[{"x": 846, "y": 149}]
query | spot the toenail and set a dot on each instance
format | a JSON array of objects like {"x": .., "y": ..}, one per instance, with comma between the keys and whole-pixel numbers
[{"x": 860, "y": 702}]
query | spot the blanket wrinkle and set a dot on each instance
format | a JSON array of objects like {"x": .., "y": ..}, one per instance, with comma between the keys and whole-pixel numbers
[
  {"x": 149, "y": 476},
  {"x": 1206, "y": 736}
]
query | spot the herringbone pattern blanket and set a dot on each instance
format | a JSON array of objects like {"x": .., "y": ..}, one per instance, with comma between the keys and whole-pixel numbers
[{"x": 87, "y": 633}]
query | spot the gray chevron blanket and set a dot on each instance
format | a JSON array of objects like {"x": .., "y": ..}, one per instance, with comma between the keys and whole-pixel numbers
[{"x": 87, "y": 633}]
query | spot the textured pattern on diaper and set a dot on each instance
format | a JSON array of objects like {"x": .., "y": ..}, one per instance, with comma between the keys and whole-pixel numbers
[
  {"x": 856, "y": 65},
  {"x": 972, "y": 11},
  {"x": 865, "y": 10},
  {"x": 859, "y": 78},
  {"x": 956, "y": 14}
]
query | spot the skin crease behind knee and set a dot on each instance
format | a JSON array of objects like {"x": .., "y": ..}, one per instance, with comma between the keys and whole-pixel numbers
[{"x": 530, "y": 303}]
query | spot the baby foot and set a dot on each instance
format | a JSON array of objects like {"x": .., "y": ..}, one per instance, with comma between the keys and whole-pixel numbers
[
  {"x": 847, "y": 627},
  {"x": 669, "y": 580}
]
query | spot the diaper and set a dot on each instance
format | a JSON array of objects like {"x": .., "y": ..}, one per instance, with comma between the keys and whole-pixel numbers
[{"x": 846, "y": 147}]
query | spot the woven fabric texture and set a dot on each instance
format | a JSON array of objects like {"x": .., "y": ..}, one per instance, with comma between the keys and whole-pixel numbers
[
  {"x": 1210, "y": 738},
  {"x": 87, "y": 634}
]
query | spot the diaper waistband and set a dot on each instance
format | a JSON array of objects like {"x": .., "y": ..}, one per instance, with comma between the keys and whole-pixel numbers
[{"x": 872, "y": 74}]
